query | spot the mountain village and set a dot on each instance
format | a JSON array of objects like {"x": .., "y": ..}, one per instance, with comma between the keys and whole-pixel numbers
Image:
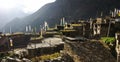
[{"x": 96, "y": 39}]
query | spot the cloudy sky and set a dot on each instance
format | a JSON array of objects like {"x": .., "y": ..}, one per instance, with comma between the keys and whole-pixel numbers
[
  {"x": 27, "y": 6},
  {"x": 11, "y": 9}
]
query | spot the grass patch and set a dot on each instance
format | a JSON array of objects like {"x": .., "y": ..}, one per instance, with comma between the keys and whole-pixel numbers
[
  {"x": 46, "y": 57},
  {"x": 108, "y": 39}
]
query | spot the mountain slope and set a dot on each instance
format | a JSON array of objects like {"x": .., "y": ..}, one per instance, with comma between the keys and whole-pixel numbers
[
  {"x": 8, "y": 15},
  {"x": 70, "y": 9}
]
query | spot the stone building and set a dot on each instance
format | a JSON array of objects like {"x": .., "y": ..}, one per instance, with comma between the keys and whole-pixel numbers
[
  {"x": 48, "y": 46},
  {"x": 103, "y": 27}
]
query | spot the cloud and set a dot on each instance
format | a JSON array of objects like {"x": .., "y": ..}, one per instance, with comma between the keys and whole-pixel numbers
[
  {"x": 28, "y": 6},
  {"x": 34, "y": 5}
]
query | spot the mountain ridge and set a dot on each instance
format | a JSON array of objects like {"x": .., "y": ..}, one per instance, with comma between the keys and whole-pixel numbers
[{"x": 70, "y": 9}]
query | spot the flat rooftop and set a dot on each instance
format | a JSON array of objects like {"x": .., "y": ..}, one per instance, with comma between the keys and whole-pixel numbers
[{"x": 47, "y": 42}]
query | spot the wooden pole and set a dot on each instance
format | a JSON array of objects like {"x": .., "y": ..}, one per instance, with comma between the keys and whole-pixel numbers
[{"x": 109, "y": 28}]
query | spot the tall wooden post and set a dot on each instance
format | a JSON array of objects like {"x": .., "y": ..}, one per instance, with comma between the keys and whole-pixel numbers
[
  {"x": 109, "y": 28},
  {"x": 117, "y": 36},
  {"x": 11, "y": 45}
]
